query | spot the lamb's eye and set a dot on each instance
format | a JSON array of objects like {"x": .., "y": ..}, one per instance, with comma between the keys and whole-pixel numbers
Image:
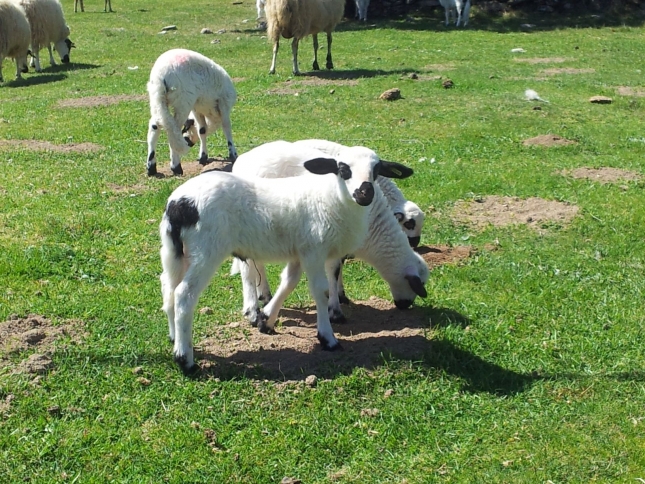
[{"x": 344, "y": 171}]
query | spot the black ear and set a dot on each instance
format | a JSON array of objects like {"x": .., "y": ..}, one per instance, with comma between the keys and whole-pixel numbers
[
  {"x": 322, "y": 166},
  {"x": 417, "y": 286},
  {"x": 392, "y": 169}
]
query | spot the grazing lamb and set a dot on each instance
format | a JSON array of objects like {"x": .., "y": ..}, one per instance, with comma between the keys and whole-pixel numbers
[
  {"x": 108, "y": 3},
  {"x": 361, "y": 9},
  {"x": 385, "y": 247},
  {"x": 408, "y": 213},
  {"x": 187, "y": 81},
  {"x": 14, "y": 35},
  {"x": 304, "y": 221},
  {"x": 459, "y": 9},
  {"x": 299, "y": 18},
  {"x": 47, "y": 27}
]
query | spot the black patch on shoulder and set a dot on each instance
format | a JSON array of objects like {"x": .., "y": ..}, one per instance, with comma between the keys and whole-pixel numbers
[
  {"x": 238, "y": 256},
  {"x": 344, "y": 171},
  {"x": 181, "y": 213},
  {"x": 202, "y": 130}
]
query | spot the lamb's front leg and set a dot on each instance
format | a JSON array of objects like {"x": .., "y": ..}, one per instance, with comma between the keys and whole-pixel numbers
[
  {"x": 35, "y": 59},
  {"x": 318, "y": 287},
  {"x": 51, "y": 55},
  {"x": 333, "y": 269},
  {"x": 294, "y": 52},
  {"x": 330, "y": 64},
  {"x": 251, "y": 307},
  {"x": 153, "y": 137},
  {"x": 288, "y": 281}
]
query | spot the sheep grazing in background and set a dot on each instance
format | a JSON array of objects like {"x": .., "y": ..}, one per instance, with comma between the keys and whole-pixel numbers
[
  {"x": 459, "y": 9},
  {"x": 408, "y": 213},
  {"x": 361, "y": 9},
  {"x": 303, "y": 221},
  {"x": 108, "y": 3},
  {"x": 189, "y": 84},
  {"x": 15, "y": 35},
  {"x": 385, "y": 248},
  {"x": 47, "y": 27},
  {"x": 259, "y": 5},
  {"x": 299, "y": 18}
]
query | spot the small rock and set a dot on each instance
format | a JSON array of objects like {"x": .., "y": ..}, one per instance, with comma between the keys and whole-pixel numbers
[
  {"x": 245, "y": 21},
  {"x": 600, "y": 100},
  {"x": 216, "y": 41},
  {"x": 414, "y": 75},
  {"x": 234, "y": 324},
  {"x": 388, "y": 393},
  {"x": 206, "y": 31},
  {"x": 391, "y": 94},
  {"x": 205, "y": 310},
  {"x": 332, "y": 91},
  {"x": 311, "y": 381},
  {"x": 169, "y": 27},
  {"x": 162, "y": 32},
  {"x": 221, "y": 31},
  {"x": 518, "y": 49},
  {"x": 144, "y": 381},
  {"x": 138, "y": 370},
  {"x": 447, "y": 84}
]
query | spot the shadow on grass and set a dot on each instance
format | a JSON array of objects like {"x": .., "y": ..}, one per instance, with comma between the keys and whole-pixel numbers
[
  {"x": 353, "y": 73},
  {"x": 36, "y": 80}
]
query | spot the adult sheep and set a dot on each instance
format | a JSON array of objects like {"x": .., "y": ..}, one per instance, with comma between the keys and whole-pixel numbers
[
  {"x": 14, "y": 35},
  {"x": 303, "y": 221},
  {"x": 48, "y": 27},
  {"x": 385, "y": 248},
  {"x": 108, "y": 3},
  {"x": 190, "y": 84},
  {"x": 299, "y": 18}
]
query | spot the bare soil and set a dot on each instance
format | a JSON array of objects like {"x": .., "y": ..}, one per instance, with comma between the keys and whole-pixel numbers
[
  {"x": 603, "y": 175},
  {"x": 631, "y": 91},
  {"x": 542, "y": 60},
  {"x": 34, "y": 333},
  {"x": 95, "y": 101},
  {"x": 193, "y": 168},
  {"x": 438, "y": 255},
  {"x": 567, "y": 70},
  {"x": 548, "y": 140},
  {"x": 502, "y": 211},
  {"x": 47, "y": 146}
]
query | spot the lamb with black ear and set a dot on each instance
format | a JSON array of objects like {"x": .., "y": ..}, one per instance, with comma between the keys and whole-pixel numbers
[{"x": 304, "y": 221}]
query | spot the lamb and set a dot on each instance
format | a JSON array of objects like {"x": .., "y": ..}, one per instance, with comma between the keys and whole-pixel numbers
[
  {"x": 188, "y": 82},
  {"x": 299, "y": 18},
  {"x": 385, "y": 247},
  {"x": 259, "y": 5},
  {"x": 14, "y": 35},
  {"x": 459, "y": 9},
  {"x": 361, "y": 9},
  {"x": 304, "y": 221},
  {"x": 108, "y": 3},
  {"x": 408, "y": 213},
  {"x": 48, "y": 27}
]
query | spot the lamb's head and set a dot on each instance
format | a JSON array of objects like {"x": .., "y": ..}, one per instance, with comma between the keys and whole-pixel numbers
[
  {"x": 358, "y": 167},
  {"x": 411, "y": 220},
  {"x": 64, "y": 47},
  {"x": 410, "y": 283}
]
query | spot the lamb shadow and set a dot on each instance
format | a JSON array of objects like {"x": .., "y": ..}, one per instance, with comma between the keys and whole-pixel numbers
[
  {"x": 72, "y": 66},
  {"x": 36, "y": 80},
  {"x": 354, "y": 73}
]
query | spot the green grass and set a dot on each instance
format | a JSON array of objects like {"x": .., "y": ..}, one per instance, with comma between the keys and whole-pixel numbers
[{"x": 540, "y": 379}]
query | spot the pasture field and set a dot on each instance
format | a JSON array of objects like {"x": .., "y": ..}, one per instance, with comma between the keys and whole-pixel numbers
[{"x": 525, "y": 363}]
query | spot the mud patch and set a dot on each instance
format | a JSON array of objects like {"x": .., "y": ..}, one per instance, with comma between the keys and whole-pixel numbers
[
  {"x": 566, "y": 70},
  {"x": 501, "y": 211},
  {"x": 34, "y": 333},
  {"x": 96, "y": 101},
  {"x": 631, "y": 91},
  {"x": 548, "y": 140},
  {"x": 438, "y": 255},
  {"x": 375, "y": 329},
  {"x": 603, "y": 175},
  {"x": 47, "y": 146},
  {"x": 542, "y": 60}
]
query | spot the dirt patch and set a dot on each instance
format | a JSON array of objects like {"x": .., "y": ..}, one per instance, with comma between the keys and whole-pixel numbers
[
  {"x": 438, "y": 255},
  {"x": 603, "y": 175},
  {"x": 631, "y": 91},
  {"x": 439, "y": 67},
  {"x": 95, "y": 101},
  {"x": 34, "y": 333},
  {"x": 542, "y": 60},
  {"x": 284, "y": 91},
  {"x": 375, "y": 329},
  {"x": 47, "y": 146},
  {"x": 566, "y": 70},
  {"x": 548, "y": 140},
  {"x": 317, "y": 81},
  {"x": 193, "y": 168},
  {"x": 126, "y": 190},
  {"x": 502, "y": 211}
]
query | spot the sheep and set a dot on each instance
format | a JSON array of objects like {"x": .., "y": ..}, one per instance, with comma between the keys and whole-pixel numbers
[
  {"x": 48, "y": 26},
  {"x": 298, "y": 18},
  {"x": 188, "y": 82},
  {"x": 304, "y": 221},
  {"x": 259, "y": 5},
  {"x": 361, "y": 9},
  {"x": 408, "y": 213},
  {"x": 108, "y": 3},
  {"x": 459, "y": 9},
  {"x": 385, "y": 247},
  {"x": 15, "y": 35}
]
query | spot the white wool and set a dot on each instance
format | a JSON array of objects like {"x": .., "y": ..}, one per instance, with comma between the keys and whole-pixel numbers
[
  {"x": 15, "y": 35},
  {"x": 458, "y": 9}
]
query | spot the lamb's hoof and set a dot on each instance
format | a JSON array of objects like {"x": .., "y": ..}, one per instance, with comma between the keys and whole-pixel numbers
[
  {"x": 326, "y": 346},
  {"x": 183, "y": 365},
  {"x": 403, "y": 303},
  {"x": 315, "y": 66},
  {"x": 336, "y": 317},
  {"x": 253, "y": 316},
  {"x": 343, "y": 299},
  {"x": 177, "y": 170},
  {"x": 263, "y": 327},
  {"x": 330, "y": 65},
  {"x": 203, "y": 160},
  {"x": 152, "y": 170},
  {"x": 265, "y": 298}
]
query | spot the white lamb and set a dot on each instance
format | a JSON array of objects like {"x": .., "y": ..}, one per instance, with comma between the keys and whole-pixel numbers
[
  {"x": 108, "y": 3},
  {"x": 408, "y": 213},
  {"x": 14, "y": 35},
  {"x": 186, "y": 81},
  {"x": 48, "y": 27},
  {"x": 459, "y": 9},
  {"x": 361, "y": 9},
  {"x": 304, "y": 221},
  {"x": 299, "y": 18},
  {"x": 386, "y": 248}
]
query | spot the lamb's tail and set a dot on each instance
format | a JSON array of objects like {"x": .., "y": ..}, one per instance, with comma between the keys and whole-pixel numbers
[{"x": 159, "y": 106}]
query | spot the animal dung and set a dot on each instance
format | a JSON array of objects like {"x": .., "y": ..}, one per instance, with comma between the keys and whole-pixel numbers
[
  {"x": 600, "y": 100},
  {"x": 391, "y": 94}
]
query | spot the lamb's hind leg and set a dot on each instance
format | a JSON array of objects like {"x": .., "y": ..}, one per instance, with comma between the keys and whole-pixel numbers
[
  {"x": 315, "y": 65},
  {"x": 225, "y": 114},
  {"x": 181, "y": 115},
  {"x": 201, "y": 130},
  {"x": 318, "y": 287},
  {"x": 251, "y": 306},
  {"x": 330, "y": 64},
  {"x": 173, "y": 272},
  {"x": 288, "y": 281},
  {"x": 333, "y": 269}
]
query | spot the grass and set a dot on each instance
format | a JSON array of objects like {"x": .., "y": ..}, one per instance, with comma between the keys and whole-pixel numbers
[{"x": 539, "y": 380}]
